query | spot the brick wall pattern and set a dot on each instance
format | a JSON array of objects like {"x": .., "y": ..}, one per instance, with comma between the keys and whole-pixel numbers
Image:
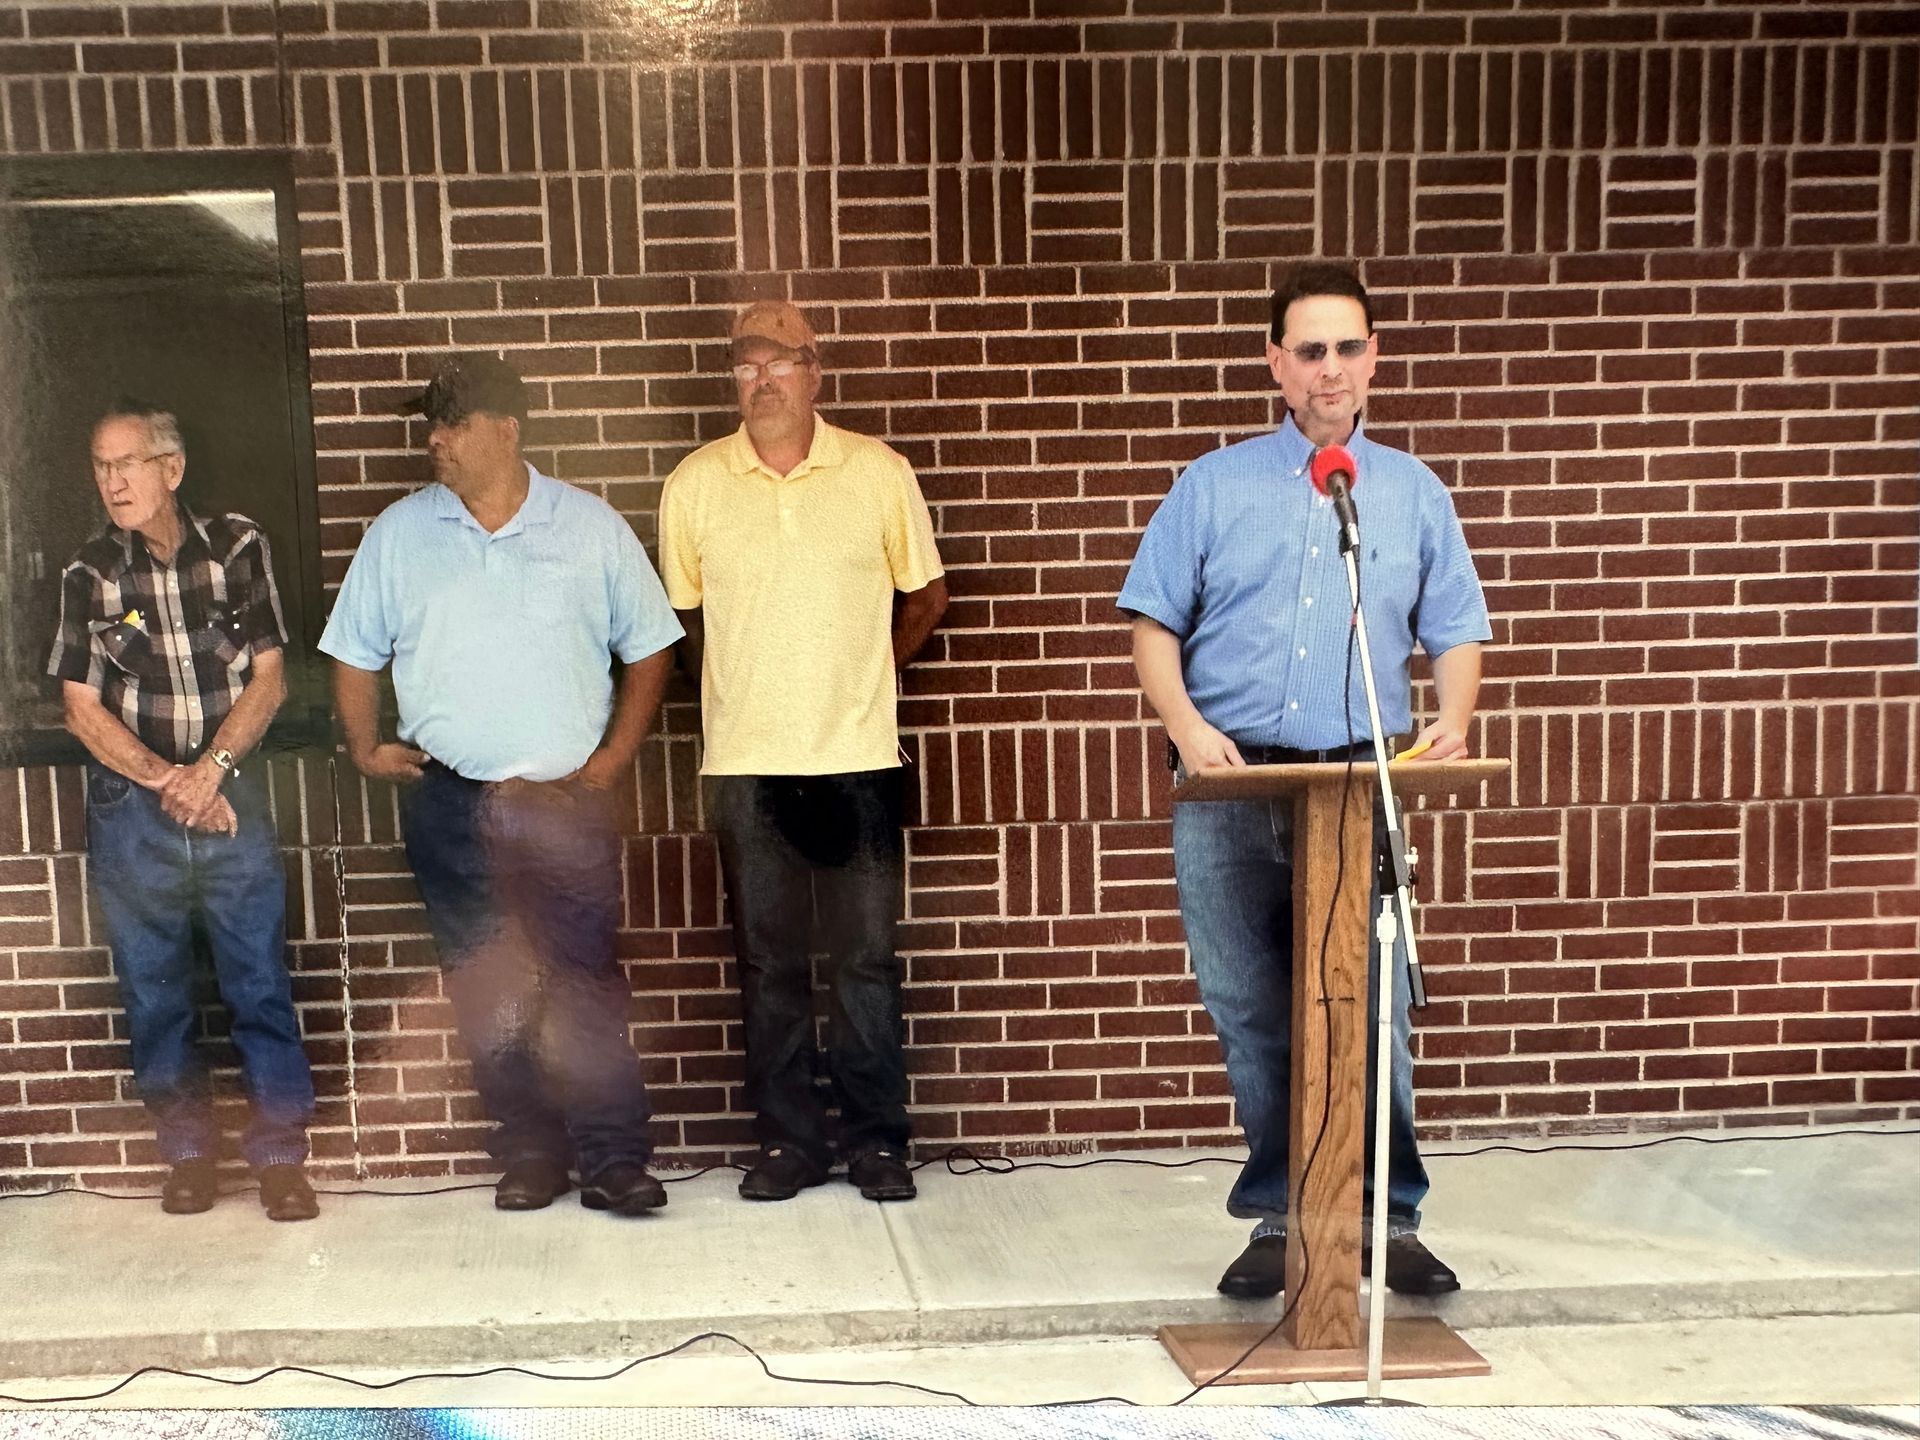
[{"x": 1649, "y": 286}]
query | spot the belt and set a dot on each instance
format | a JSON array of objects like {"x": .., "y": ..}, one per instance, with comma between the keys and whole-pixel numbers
[{"x": 1287, "y": 755}]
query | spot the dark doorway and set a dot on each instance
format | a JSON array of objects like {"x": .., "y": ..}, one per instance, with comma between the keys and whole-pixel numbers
[{"x": 174, "y": 279}]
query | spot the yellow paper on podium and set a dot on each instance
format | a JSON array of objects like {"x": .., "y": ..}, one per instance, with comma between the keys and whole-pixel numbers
[{"x": 1420, "y": 749}]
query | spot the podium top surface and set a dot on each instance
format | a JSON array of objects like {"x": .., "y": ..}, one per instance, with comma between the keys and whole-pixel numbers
[{"x": 1265, "y": 782}]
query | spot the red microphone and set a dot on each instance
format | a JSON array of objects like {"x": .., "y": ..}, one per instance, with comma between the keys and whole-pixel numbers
[
  {"x": 1333, "y": 467},
  {"x": 1334, "y": 475}
]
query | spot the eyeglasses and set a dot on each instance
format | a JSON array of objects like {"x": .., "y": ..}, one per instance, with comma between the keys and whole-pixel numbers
[
  {"x": 1312, "y": 352},
  {"x": 124, "y": 466},
  {"x": 746, "y": 371}
]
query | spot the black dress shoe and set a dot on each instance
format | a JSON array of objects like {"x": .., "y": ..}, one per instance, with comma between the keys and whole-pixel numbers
[
  {"x": 190, "y": 1187},
  {"x": 881, "y": 1174},
  {"x": 531, "y": 1184},
  {"x": 1412, "y": 1269},
  {"x": 1260, "y": 1272},
  {"x": 624, "y": 1189},
  {"x": 781, "y": 1173},
  {"x": 285, "y": 1193}
]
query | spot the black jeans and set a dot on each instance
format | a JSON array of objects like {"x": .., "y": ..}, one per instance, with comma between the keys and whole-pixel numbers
[
  {"x": 826, "y": 851},
  {"x": 522, "y": 884}
]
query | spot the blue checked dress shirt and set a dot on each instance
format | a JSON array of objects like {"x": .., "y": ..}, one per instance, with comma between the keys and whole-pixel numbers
[{"x": 1242, "y": 563}]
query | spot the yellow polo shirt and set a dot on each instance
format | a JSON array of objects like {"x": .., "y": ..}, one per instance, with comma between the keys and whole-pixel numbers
[{"x": 795, "y": 576}]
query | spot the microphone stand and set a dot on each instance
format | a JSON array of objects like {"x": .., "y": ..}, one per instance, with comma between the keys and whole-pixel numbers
[{"x": 1396, "y": 913}]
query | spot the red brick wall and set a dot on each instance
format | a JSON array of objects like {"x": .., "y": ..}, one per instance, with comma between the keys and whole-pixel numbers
[{"x": 1647, "y": 277}]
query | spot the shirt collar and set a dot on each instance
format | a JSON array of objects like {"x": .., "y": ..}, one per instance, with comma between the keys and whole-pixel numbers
[
  {"x": 543, "y": 496},
  {"x": 1295, "y": 449},
  {"x": 191, "y": 525},
  {"x": 1298, "y": 451},
  {"x": 825, "y": 450}
]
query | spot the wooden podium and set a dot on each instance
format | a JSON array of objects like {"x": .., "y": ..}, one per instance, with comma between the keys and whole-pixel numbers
[{"x": 1323, "y": 1337}]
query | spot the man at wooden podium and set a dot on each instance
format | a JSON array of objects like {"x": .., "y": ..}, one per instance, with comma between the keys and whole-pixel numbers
[{"x": 1240, "y": 616}]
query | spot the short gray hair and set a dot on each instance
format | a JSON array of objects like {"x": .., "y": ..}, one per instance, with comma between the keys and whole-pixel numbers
[{"x": 162, "y": 425}]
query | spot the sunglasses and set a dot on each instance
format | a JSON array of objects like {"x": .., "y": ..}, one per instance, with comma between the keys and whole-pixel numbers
[{"x": 1312, "y": 352}]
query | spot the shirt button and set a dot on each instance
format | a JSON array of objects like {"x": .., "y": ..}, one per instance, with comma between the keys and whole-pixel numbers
[
  {"x": 1303, "y": 652},
  {"x": 1293, "y": 705},
  {"x": 1307, "y": 601},
  {"x": 1314, "y": 551}
]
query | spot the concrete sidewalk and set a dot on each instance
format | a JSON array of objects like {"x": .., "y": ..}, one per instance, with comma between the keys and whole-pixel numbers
[
  {"x": 1820, "y": 1226},
  {"x": 1852, "y": 1361}
]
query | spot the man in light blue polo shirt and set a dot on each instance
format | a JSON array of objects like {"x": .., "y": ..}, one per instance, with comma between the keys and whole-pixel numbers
[
  {"x": 1240, "y": 636},
  {"x": 502, "y": 598}
]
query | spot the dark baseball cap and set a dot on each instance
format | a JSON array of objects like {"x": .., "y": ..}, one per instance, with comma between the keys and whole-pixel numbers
[{"x": 467, "y": 382}]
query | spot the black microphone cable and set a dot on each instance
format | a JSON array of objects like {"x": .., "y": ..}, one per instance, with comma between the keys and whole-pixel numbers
[
  {"x": 959, "y": 1160},
  {"x": 954, "y": 1158},
  {"x": 964, "y": 1160}
]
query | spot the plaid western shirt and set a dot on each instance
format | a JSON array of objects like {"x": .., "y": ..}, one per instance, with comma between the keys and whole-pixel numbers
[{"x": 169, "y": 646}]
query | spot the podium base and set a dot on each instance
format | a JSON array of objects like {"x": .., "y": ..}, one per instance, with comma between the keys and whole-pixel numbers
[{"x": 1418, "y": 1347}]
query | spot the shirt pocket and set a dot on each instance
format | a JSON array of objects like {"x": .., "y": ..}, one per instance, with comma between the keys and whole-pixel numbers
[
  {"x": 557, "y": 593},
  {"x": 220, "y": 636},
  {"x": 127, "y": 648}
]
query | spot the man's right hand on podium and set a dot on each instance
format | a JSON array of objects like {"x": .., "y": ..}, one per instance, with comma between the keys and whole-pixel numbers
[{"x": 1200, "y": 745}]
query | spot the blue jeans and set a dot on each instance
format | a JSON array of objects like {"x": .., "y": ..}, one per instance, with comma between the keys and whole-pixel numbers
[
  {"x": 154, "y": 879},
  {"x": 807, "y": 855},
  {"x": 522, "y": 885},
  {"x": 1234, "y": 864}
]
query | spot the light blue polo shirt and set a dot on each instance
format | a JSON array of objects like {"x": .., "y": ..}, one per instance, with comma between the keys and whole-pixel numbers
[
  {"x": 501, "y": 644},
  {"x": 1242, "y": 562}
]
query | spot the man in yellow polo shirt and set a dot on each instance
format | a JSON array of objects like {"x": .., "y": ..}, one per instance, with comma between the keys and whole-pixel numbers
[{"x": 784, "y": 545}]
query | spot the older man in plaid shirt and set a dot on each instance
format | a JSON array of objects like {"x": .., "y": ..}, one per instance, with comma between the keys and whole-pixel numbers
[{"x": 170, "y": 654}]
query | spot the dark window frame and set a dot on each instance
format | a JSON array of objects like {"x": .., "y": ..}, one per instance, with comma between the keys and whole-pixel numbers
[{"x": 304, "y": 721}]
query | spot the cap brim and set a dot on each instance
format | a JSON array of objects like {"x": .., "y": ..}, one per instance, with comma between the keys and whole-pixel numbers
[{"x": 804, "y": 348}]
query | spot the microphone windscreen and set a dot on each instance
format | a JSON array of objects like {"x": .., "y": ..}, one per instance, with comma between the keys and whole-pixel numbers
[{"x": 1333, "y": 460}]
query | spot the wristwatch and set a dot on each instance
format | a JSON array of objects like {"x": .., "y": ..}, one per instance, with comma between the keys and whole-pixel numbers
[{"x": 224, "y": 759}]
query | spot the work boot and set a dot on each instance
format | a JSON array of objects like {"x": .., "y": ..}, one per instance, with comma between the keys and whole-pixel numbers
[
  {"x": 531, "y": 1184},
  {"x": 781, "y": 1173},
  {"x": 624, "y": 1188},
  {"x": 881, "y": 1174},
  {"x": 191, "y": 1187},
  {"x": 285, "y": 1193},
  {"x": 1260, "y": 1272},
  {"x": 1412, "y": 1269}
]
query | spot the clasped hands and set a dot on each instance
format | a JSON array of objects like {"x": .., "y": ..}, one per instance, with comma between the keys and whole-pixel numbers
[{"x": 190, "y": 794}]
